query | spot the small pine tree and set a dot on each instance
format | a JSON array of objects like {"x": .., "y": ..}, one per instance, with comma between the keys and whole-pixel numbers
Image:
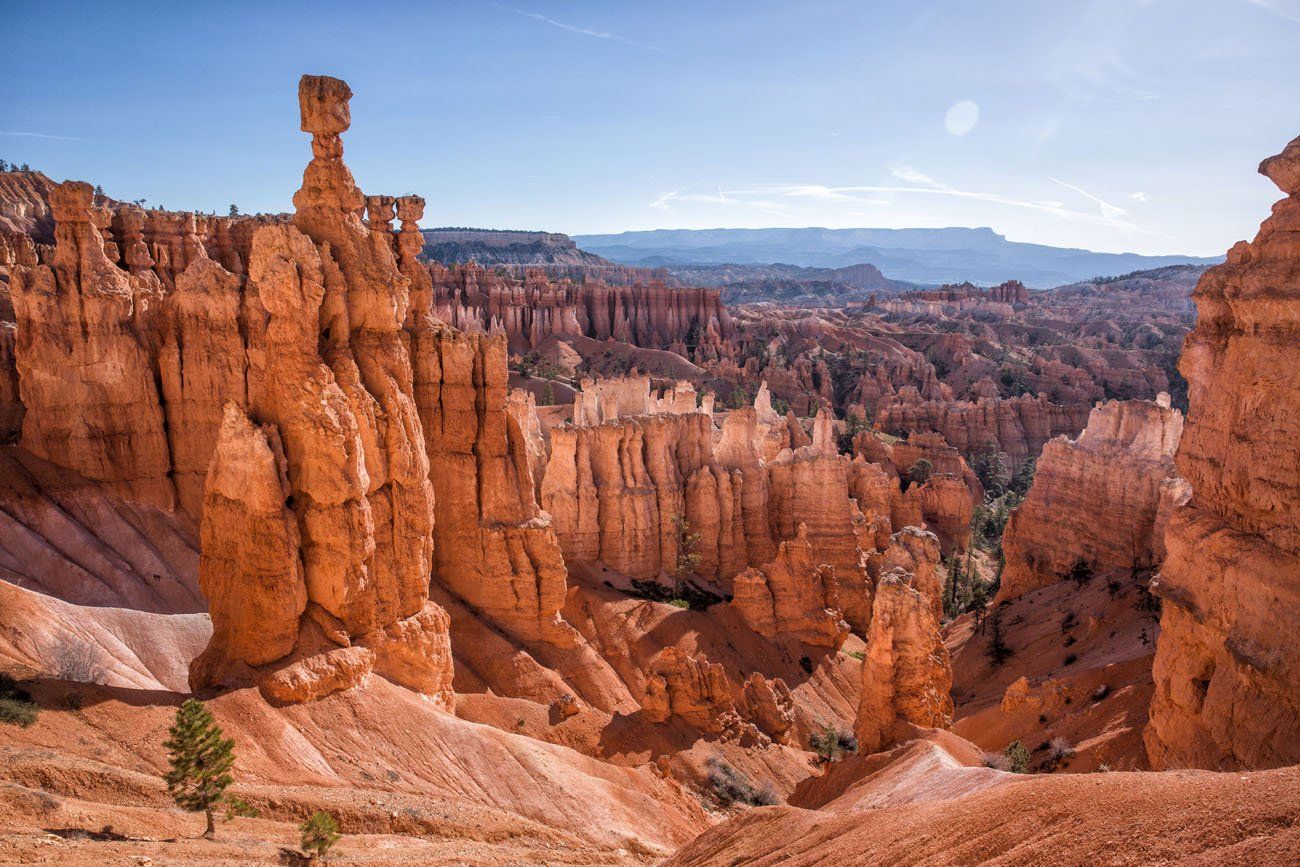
[
  {"x": 99, "y": 191},
  {"x": 26, "y": 168},
  {"x": 201, "y": 760},
  {"x": 688, "y": 559},
  {"x": 920, "y": 472},
  {"x": 950, "y": 597},
  {"x": 853, "y": 425},
  {"x": 319, "y": 834},
  {"x": 234, "y": 210},
  {"x": 998, "y": 652},
  {"x": 4, "y": 166}
]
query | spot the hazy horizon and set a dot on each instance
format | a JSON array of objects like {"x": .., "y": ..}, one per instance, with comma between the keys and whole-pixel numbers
[{"x": 1112, "y": 125}]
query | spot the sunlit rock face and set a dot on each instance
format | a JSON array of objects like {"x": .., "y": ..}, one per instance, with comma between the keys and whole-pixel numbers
[
  {"x": 1102, "y": 499},
  {"x": 1227, "y": 667},
  {"x": 906, "y": 674},
  {"x": 342, "y": 443}
]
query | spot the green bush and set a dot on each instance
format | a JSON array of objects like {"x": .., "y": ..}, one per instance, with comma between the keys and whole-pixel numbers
[
  {"x": 1017, "y": 758},
  {"x": 16, "y": 705},
  {"x": 830, "y": 744}
]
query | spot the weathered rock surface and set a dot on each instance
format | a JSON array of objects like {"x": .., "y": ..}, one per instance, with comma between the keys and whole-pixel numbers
[
  {"x": 615, "y": 489},
  {"x": 690, "y": 321},
  {"x": 1227, "y": 667},
  {"x": 918, "y": 553},
  {"x": 250, "y": 569},
  {"x": 944, "y": 503},
  {"x": 680, "y": 685},
  {"x": 83, "y": 542},
  {"x": 495, "y": 547},
  {"x": 792, "y": 596},
  {"x": 770, "y": 705},
  {"x": 1019, "y": 426},
  {"x": 343, "y": 443},
  {"x": 1102, "y": 499},
  {"x": 809, "y": 487},
  {"x": 906, "y": 675},
  {"x": 615, "y": 397},
  {"x": 84, "y": 370}
]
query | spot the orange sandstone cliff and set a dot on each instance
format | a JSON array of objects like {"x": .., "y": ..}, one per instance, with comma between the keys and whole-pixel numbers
[
  {"x": 1227, "y": 668},
  {"x": 1101, "y": 500}
]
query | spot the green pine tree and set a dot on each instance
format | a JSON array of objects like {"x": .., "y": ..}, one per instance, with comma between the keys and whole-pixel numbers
[
  {"x": 688, "y": 558},
  {"x": 319, "y": 834},
  {"x": 201, "y": 760}
]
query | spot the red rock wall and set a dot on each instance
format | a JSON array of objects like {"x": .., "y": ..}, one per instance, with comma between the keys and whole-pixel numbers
[
  {"x": 1097, "y": 499},
  {"x": 1227, "y": 667},
  {"x": 653, "y": 316},
  {"x": 1019, "y": 426}
]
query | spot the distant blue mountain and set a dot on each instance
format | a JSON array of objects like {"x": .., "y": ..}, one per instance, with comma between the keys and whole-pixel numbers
[{"x": 931, "y": 256}]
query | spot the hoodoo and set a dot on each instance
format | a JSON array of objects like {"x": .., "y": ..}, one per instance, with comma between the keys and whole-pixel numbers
[{"x": 336, "y": 395}]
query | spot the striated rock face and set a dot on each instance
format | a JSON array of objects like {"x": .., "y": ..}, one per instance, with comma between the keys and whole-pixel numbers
[
  {"x": 1227, "y": 667},
  {"x": 618, "y": 397},
  {"x": 689, "y": 321},
  {"x": 1019, "y": 426},
  {"x": 83, "y": 364},
  {"x": 11, "y": 404},
  {"x": 945, "y": 503},
  {"x": 249, "y": 568},
  {"x": 809, "y": 488},
  {"x": 25, "y": 223},
  {"x": 614, "y": 489},
  {"x": 1102, "y": 499},
  {"x": 792, "y": 596},
  {"x": 906, "y": 674},
  {"x": 495, "y": 548}
]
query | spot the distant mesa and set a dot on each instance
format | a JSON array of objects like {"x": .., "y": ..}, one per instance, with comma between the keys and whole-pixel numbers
[
  {"x": 926, "y": 256},
  {"x": 455, "y": 245}
]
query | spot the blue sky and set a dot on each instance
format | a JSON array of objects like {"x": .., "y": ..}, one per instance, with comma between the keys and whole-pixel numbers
[{"x": 1111, "y": 124}]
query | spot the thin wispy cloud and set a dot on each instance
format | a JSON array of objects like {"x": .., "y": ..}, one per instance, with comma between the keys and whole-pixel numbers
[
  {"x": 912, "y": 176},
  {"x": 769, "y": 198},
  {"x": 739, "y": 198},
  {"x": 582, "y": 31},
  {"x": 46, "y": 135},
  {"x": 1109, "y": 211}
]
